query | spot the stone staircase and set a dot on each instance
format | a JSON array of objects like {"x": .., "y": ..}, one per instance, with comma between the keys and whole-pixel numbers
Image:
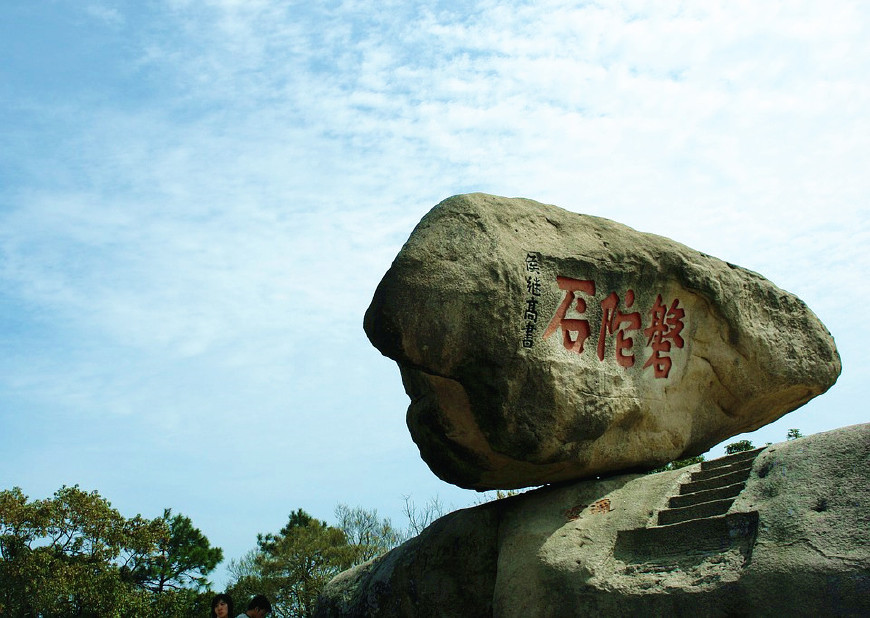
[
  {"x": 696, "y": 522},
  {"x": 710, "y": 491}
]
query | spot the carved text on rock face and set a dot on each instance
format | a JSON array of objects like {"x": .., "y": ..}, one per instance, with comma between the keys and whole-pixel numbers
[
  {"x": 601, "y": 506},
  {"x": 664, "y": 330},
  {"x": 533, "y": 293},
  {"x": 662, "y": 334},
  {"x": 615, "y": 322},
  {"x": 580, "y": 326}
]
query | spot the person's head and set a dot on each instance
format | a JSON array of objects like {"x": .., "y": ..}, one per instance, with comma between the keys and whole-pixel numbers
[
  {"x": 222, "y": 606},
  {"x": 259, "y": 607}
]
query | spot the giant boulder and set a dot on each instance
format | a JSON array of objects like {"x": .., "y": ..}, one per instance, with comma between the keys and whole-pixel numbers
[
  {"x": 782, "y": 532},
  {"x": 539, "y": 345}
]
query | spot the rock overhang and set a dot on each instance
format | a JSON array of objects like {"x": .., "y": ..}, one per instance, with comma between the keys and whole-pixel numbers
[{"x": 539, "y": 345}]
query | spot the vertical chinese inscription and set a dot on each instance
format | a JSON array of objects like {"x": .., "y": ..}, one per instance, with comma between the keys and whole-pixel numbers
[{"x": 533, "y": 293}]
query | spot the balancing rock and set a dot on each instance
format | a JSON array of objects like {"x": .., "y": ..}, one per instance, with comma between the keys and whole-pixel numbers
[{"x": 539, "y": 345}]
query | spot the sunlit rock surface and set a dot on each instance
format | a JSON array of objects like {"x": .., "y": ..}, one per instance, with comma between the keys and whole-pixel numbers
[
  {"x": 780, "y": 532},
  {"x": 539, "y": 345}
]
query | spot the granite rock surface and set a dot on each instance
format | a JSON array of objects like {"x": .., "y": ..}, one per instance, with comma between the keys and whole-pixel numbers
[
  {"x": 780, "y": 532},
  {"x": 539, "y": 345}
]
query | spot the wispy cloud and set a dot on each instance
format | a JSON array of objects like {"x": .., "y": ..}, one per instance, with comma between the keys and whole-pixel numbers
[{"x": 188, "y": 241}]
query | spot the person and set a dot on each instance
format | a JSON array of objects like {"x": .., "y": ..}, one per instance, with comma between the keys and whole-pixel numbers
[
  {"x": 222, "y": 606},
  {"x": 258, "y": 607}
]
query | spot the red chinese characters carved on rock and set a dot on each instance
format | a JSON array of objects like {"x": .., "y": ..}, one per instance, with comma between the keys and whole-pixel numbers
[
  {"x": 664, "y": 330},
  {"x": 614, "y": 321},
  {"x": 571, "y": 325},
  {"x": 666, "y": 325}
]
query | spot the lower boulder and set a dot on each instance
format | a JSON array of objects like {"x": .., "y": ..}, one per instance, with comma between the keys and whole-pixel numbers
[{"x": 781, "y": 530}]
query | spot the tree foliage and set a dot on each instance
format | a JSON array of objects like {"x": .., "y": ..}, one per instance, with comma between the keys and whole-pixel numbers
[
  {"x": 794, "y": 434},
  {"x": 182, "y": 558},
  {"x": 678, "y": 463},
  {"x": 75, "y": 555},
  {"x": 738, "y": 447},
  {"x": 292, "y": 566}
]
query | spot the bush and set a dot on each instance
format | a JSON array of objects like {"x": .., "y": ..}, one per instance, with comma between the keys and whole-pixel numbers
[{"x": 738, "y": 447}]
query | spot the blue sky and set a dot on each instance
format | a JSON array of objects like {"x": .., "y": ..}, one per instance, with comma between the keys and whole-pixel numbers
[{"x": 198, "y": 199}]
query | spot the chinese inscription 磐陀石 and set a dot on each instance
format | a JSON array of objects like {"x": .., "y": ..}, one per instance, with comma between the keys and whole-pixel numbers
[
  {"x": 662, "y": 333},
  {"x": 533, "y": 293}
]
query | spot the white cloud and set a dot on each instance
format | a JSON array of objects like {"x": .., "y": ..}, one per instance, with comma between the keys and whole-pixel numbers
[
  {"x": 200, "y": 228},
  {"x": 108, "y": 15},
  {"x": 202, "y": 252}
]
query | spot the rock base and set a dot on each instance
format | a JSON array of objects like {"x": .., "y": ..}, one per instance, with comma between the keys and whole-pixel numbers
[{"x": 775, "y": 532}]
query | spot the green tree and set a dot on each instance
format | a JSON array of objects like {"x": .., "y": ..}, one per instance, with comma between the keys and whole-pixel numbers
[
  {"x": 75, "y": 555},
  {"x": 247, "y": 580},
  {"x": 678, "y": 463},
  {"x": 794, "y": 434},
  {"x": 738, "y": 447},
  {"x": 63, "y": 556},
  {"x": 292, "y": 566},
  {"x": 182, "y": 558},
  {"x": 300, "y": 559}
]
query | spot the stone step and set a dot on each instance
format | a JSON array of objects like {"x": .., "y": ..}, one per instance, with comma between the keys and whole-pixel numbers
[
  {"x": 742, "y": 464},
  {"x": 696, "y": 511},
  {"x": 706, "y": 495},
  {"x": 715, "y": 483},
  {"x": 727, "y": 460},
  {"x": 689, "y": 540}
]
